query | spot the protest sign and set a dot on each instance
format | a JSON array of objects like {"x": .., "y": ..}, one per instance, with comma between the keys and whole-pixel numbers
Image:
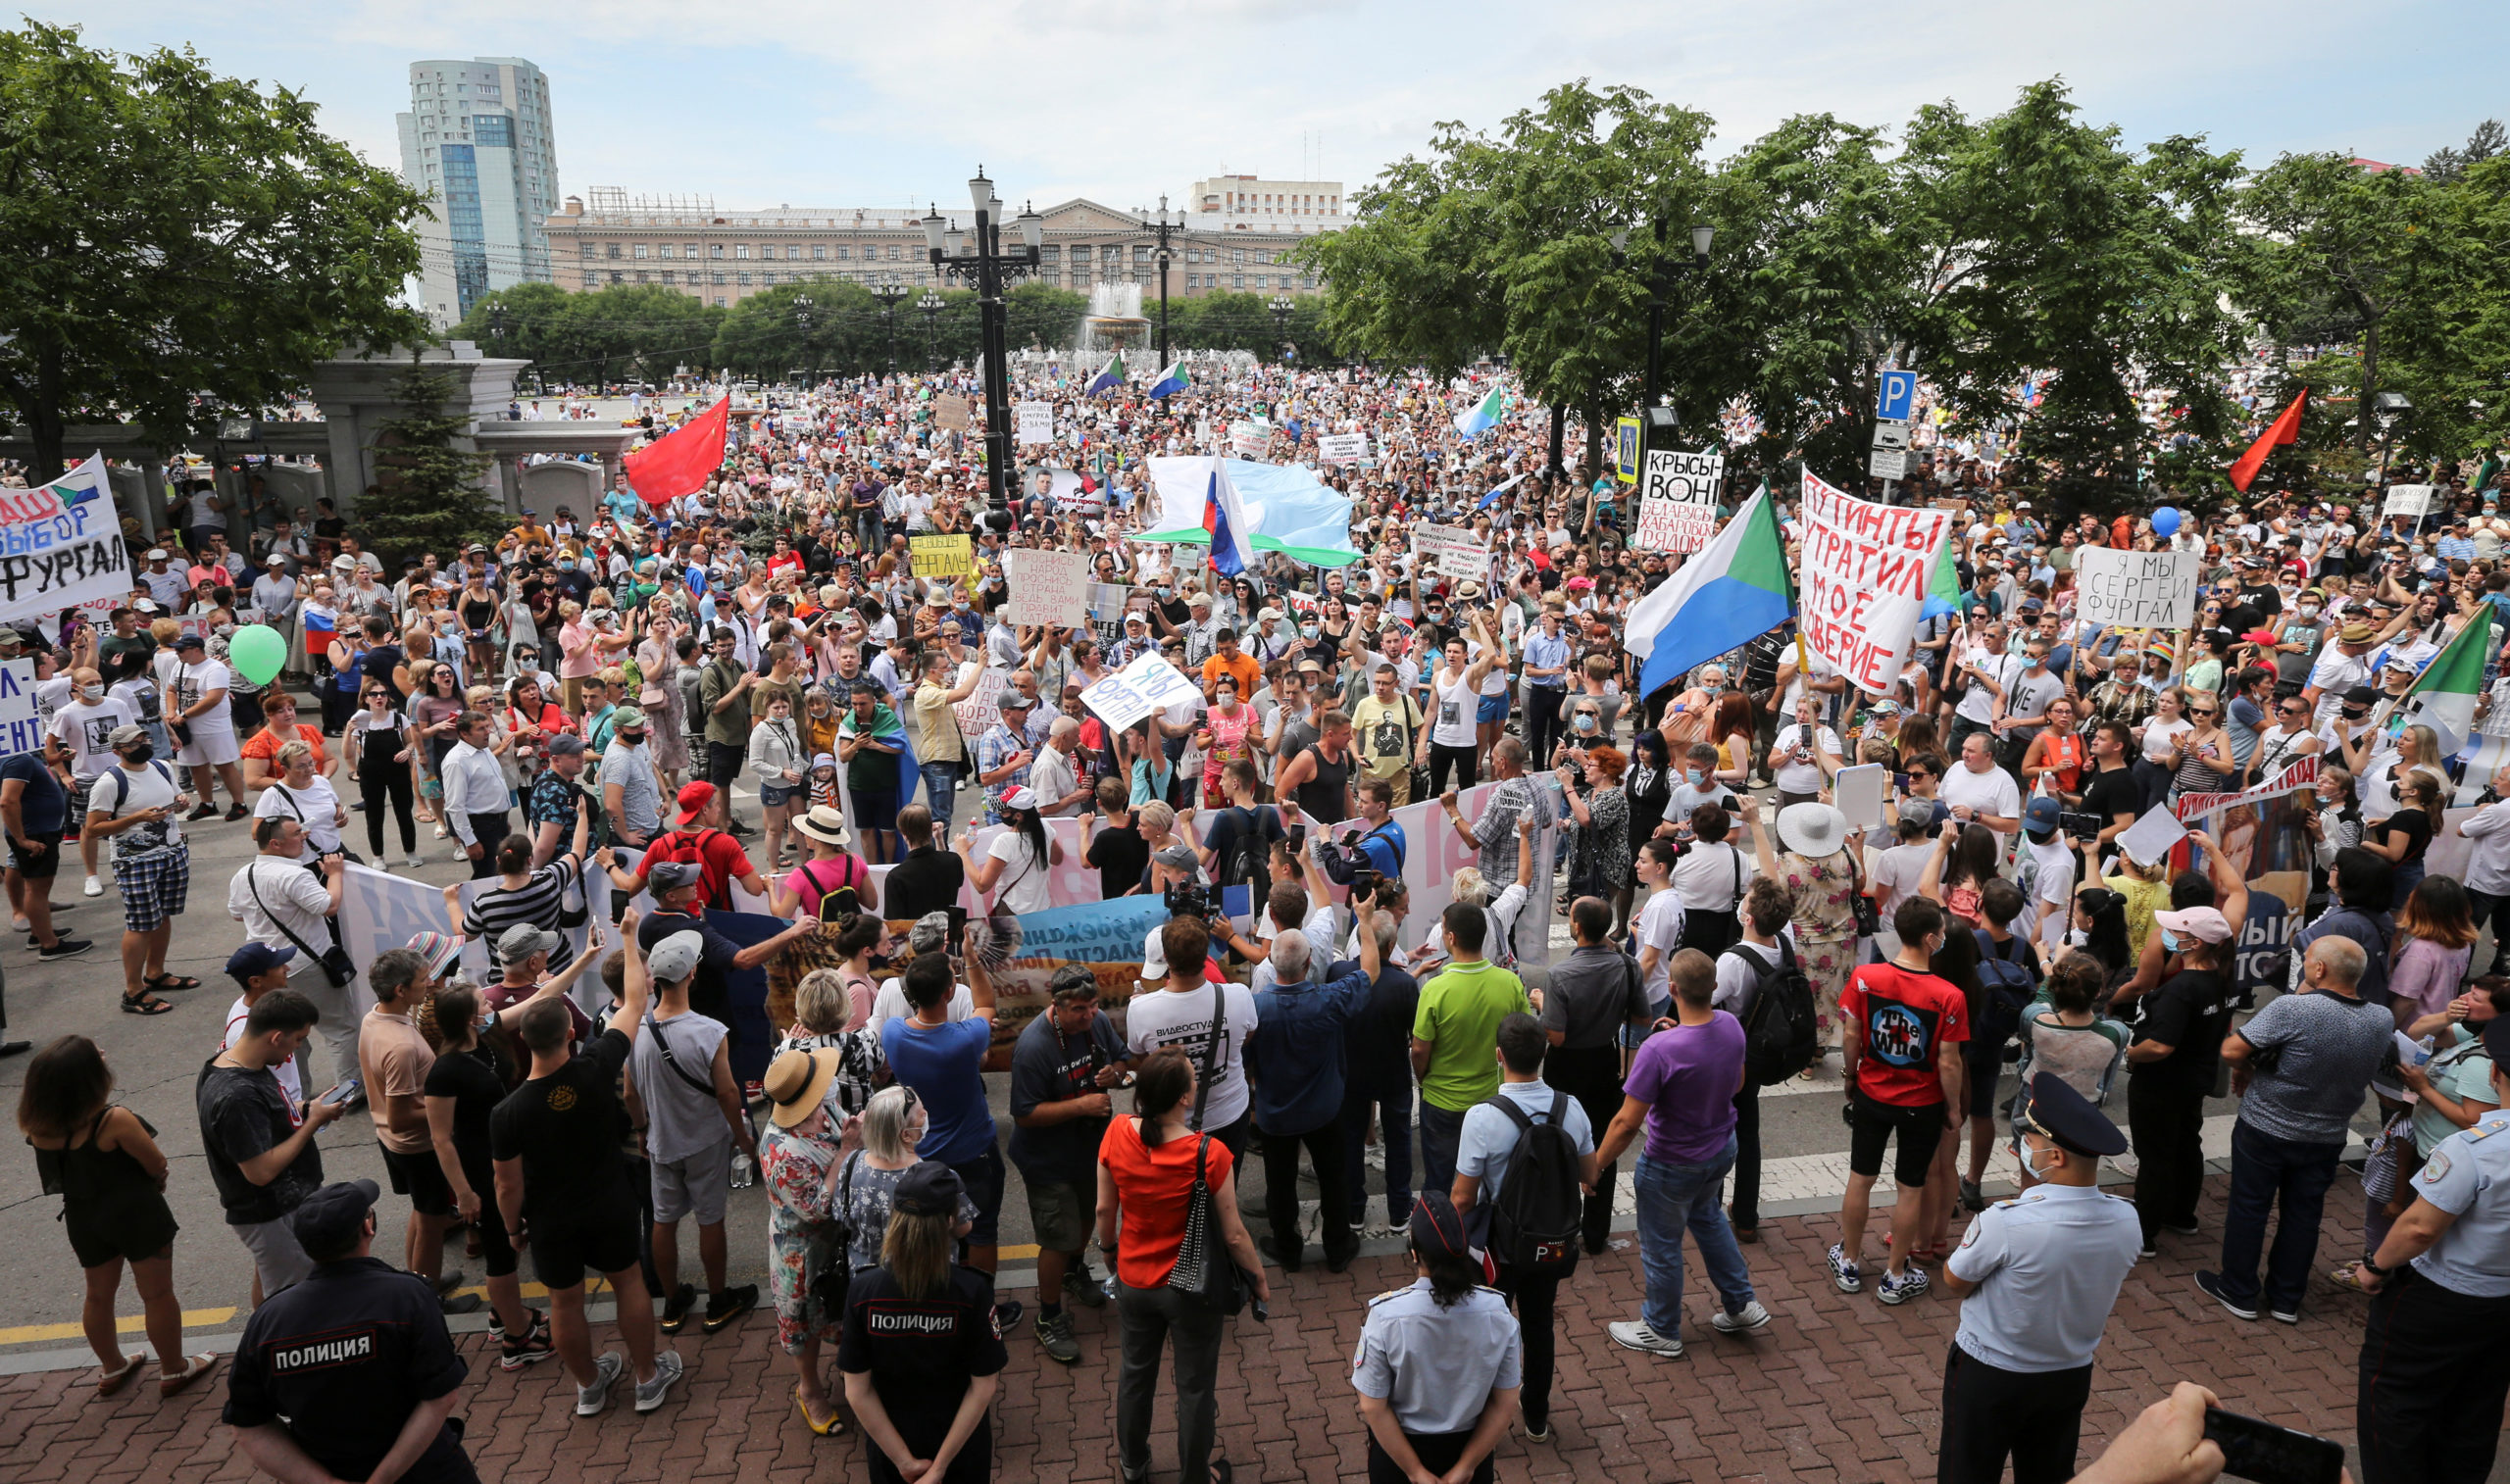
[
  {"x": 1047, "y": 586},
  {"x": 980, "y": 713},
  {"x": 950, "y": 412},
  {"x": 1249, "y": 440},
  {"x": 1866, "y": 569},
  {"x": 21, "y": 730},
  {"x": 1451, "y": 553},
  {"x": 2408, "y": 500},
  {"x": 2150, "y": 839},
  {"x": 2302, "y": 774},
  {"x": 1035, "y": 421},
  {"x": 1107, "y": 611},
  {"x": 1678, "y": 501},
  {"x": 61, "y": 545},
  {"x": 2137, "y": 589},
  {"x": 1150, "y": 683},
  {"x": 941, "y": 556},
  {"x": 1861, "y": 793},
  {"x": 1342, "y": 448}
]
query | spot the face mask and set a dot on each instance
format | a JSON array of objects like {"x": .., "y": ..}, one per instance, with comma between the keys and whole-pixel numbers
[
  {"x": 2309, "y": 611},
  {"x": 1586, "y": 724},
  {"x": 2168, "y": 941},
  {"x": 2030, "y": 1162},
  {"x": 1309, "y": 630},
  {"x": 1695, "y": 776},
  {"x": 91, "y": 693},
  {"x": 138, "y": 757}
]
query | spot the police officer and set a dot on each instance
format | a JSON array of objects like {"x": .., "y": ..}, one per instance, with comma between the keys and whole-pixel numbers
[
  {"x": 2433, "y": 1370},
  {"x": 922, "y": 1355},
  {"x": 2037, "y": 1275},
  {"x": 1440, "y": 1363},
  {"x": 349, "y": 1373}
]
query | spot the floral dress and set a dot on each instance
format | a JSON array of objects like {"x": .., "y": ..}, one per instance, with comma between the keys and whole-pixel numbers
[
  {"x": 1825, "y": 925},
  {"x": 668, "y": 737},
  {"x": 801, "y": 1239},
  {"x": 1600, "y": 850}
]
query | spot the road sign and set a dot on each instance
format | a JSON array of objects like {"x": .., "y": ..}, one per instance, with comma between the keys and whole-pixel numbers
[
  {"x": 1889, "y": 434},
  {"x": 1626, "y": 449},
  {"x": 1889, "y": 464},
  {"x": 1898, "y": 396}
]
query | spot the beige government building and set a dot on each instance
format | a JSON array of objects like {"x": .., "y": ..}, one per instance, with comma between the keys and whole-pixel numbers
[{"x": 1240, "y": 230}]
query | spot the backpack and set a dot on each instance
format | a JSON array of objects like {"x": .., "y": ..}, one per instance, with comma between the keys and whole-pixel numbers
[
  {"x": 1534, "y": 1221},
  {"x": 2010, "y": 990},
  {"x": 1781, "y": 1037}
]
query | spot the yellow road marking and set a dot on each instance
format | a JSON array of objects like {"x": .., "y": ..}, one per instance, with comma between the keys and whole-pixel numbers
[{"x": 129, "y": 1324}]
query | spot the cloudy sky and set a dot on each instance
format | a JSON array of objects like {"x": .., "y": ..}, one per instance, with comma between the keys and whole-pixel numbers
[{"x": 850, "y": 104}]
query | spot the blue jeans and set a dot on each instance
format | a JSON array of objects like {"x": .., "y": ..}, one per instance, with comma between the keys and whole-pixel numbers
[
  {"x": 2264, "y": 1170},
  {"x": 1671, "y": 1197},
  {"x": 1394, "y": 1132},
  {"x": 940, "y": 785}
]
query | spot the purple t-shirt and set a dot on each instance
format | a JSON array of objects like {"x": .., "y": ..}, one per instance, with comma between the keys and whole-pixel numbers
[{"x": 1689, "y": 1075}]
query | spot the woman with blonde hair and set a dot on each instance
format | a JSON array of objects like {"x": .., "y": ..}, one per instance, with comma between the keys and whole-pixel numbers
[{"x": 923, "y": 1396}]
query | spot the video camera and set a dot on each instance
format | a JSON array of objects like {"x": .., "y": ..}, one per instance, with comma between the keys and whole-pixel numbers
[{"x": 1192, "y": 900}]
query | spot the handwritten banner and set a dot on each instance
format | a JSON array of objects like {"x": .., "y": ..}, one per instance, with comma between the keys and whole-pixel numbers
[
  {"x": 1035, "y": 421},
  {"x": 2302, "y": 774},
  {"x": 943, "y": 556},
  {"x": 1342, "y": 448},
  {"x": 1451, "y": 552},
  {"x": 1047, "y": 586},
  {"x": 20, "y": 728},
  {"x": 1150, "y": 683},
  {"x": 2137, "y": 589},
  {"x": 1864, "y": 581},
  {"x": 61, "y": 545}
]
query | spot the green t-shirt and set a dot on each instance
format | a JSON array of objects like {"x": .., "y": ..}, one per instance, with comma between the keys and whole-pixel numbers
[{"x": 1461, "y": 1007}]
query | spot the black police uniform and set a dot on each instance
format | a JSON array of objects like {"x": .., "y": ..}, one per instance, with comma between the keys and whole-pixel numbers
[
  {"x": 341, "y": 1360},
  {"x": 922, "y": 1355}
]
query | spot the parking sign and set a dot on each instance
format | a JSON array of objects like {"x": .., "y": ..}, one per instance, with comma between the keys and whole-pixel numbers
[{"x": 1898, "y": 396}]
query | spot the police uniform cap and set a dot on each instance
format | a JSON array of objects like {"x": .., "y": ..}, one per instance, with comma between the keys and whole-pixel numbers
[
  {"x": 331, "y": 1218},
  {"x": 2069, "y": 1118},
  {"x": 929, "y": 1188}
]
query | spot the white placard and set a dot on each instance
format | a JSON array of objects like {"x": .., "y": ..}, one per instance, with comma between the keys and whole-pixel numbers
[
  {"x": 2150, "y": 840},
  {"x": 2135, "y": 589},
  {"x": 1864, "y": 581},
  {"x": 61, "y": 545},
  {"x": 1677, "y": 500},
  {"x": 1250, "y": 440},
  {"x": 2408, "y": 500},
  {"x": 1451, "y": 553},
  {"x": 1107, "y": 611},
  {"x": 1035, "y": 421},
  {"x": 1888, "y": 463},
  {"x": 1861, "y": 792},
  {"x": 1150, "y": 683},
  {"x": 1342, "y": 448},
  {"x": 21, "y": 730},
  {"x": 982, "y": 713},
  {"x": 1047, "y": 586}
]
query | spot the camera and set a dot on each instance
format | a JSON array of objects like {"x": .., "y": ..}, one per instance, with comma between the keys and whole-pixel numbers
[
  {"x": 1365, "y": 883},
  {"x": 1188, "y": 901},
  {"x": 2080, "y": 825}
]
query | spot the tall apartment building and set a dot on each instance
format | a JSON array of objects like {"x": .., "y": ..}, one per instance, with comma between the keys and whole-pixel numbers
[
  {"x": 1250, "y": 204},
  {"x": 479, "y": 142}
]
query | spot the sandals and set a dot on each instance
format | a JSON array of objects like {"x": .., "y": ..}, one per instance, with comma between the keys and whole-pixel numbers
[
  {"x": 200, "y": 1366},
  {"x": 2349, "y": 1276},
  {"x": 145, "y": 1004},
  {"x": 113, "y": 1381},
  {"x": 835, "y": 1427},
  {"x": 170, "y": 983}
]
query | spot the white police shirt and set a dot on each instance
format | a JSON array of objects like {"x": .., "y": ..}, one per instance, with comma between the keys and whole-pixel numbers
[
  {"x": 1437, "y": 1366},
  {"x": 2469, "y": 1176},
  {"x": 2049, "y": 1262}
]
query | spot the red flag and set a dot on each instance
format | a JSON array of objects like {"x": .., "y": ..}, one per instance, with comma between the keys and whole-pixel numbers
[
  {"x": 681, "y": 463},
  {"x": 2286, "y": 428}
]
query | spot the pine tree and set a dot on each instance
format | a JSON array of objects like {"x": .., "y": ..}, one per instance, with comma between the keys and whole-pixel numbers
[{"x": 428, "y": 495}]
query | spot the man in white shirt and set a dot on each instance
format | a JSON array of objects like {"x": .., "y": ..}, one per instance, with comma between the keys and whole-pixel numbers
[
  {"x": 1978, "y": 792},
  {"x": 2050, "y": 891},
  {"x": 1990, "y": 672},
  {"x": 2340, "y": 667},
  {"x": 282, "y": 905},
  {"x": 1180, "y": 1014},
  {"x": 77, "y": 735},
  {"x": 2487, "y": 868},
  {"x": 474, "y": 793}
]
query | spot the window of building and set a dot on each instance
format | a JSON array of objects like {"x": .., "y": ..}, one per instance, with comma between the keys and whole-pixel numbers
[
  {"x": 894, "y": 252},
  {"x": 669, "y": 277},
  {"x": 1141, "y": 252},
  {"x": 591, "y": 278},
  {"x": 741, "y": 249},
  {"x": 691, "y": 251},
  {"x": 640, "y": 251},
  {"x": 1237, "y": 280},
  {"x": 719, "y": 301},
  {"x": 663, "y": 250},
  {"x": 616, "y": 276},
  {"x": 743, "y": 277},
  {"x": 717, "y": 276},
  {"x": 610, "y": 249},
  {"x": 819, "y": 252},
  {"x": 715, "y": 250},
  {"x": 588, "y": 250},
  {"x": 640, "y": 276},
  {"x": 1081, "y": 252}
]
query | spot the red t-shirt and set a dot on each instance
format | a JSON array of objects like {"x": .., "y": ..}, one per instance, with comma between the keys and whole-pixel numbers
[
  {"x": 1152, "y": 1185},
  {"x": 1900, "y": 1018},
  {"x": 719, "y": 858}
]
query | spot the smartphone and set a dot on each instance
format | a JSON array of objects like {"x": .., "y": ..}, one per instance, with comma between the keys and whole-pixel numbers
[
  {"x": 344, "y": 1094},
  {"x": 2272, "y": 1455}
]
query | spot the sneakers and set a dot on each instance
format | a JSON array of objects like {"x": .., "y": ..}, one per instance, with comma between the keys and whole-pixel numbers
[
  {"x": 594, "y": 1400},
  {"x": 1007, "y": 1315},
  {"x": 2212, "y": 1284},
  {"x": 1633, "y": 1334},
  {"x": 239, "y": 812},
  {"x": 1539, "y": 1432},
  {"x": 415, "y": 860},
  {"x": 1903, "y": 1288},
  {"x": 1079, "y": 1287},
  {"x": 2148, "y": 1252},
  {"x": 724, "y": 1308},
  {"x": 669, "y": 1368},
  {"x": 20, "y": 924},
  {"x": 201, "y": 810},
  {"x": 1844, "y": 1272},
  {"x": 675, "y": 1308},
  {"x": 2284, "y": 1315},
  {"x": 1751, "y": 1319},
  {"x": 93, "y": 889},
  {"x": 62, "y": 948},
  {"x": 1972, "y": 1198},
  {"x": 1054, "y": 1337},
  {"x": 2183, "y": 1228},
  {"x": 530, "y": 1349}
]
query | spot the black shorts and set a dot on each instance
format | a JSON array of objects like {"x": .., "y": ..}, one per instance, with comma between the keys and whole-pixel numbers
[
  {"x": 496, "y": 1249},
  {"x": 42, "y": 864},
  {"x": 567, "y": 1245},
  {"x": 1871, "y": 1126},
  {"x": 421, "y": 1177}
]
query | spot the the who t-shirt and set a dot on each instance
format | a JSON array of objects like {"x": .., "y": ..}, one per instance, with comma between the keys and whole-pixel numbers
[{"x": 1900, "y": 1019}]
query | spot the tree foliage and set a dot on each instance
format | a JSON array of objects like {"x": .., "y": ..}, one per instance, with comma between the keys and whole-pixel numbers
[
  {"x": 428, "y": 495},
  {"x": 181, "y": 245}
]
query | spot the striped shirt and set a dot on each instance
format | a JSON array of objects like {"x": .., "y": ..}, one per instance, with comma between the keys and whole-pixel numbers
[{"x": 536, "y": 903}]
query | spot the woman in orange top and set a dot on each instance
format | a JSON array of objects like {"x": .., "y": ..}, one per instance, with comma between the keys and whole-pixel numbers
[
  {"x": 279, "y": 726},
  {"x": 2056, "y": 756}
]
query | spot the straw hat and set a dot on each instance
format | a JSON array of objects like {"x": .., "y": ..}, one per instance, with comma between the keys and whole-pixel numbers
[
  {"x": 797, "y": 1084},
  {"x": 825, "y": 824}
]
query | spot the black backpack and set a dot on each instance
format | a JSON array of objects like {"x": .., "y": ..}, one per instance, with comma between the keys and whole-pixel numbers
[
  {"x": 1781, "y": 1037},
  {"x": 1534, "y": 1224},
  {"x": 2010, "y": 989}
]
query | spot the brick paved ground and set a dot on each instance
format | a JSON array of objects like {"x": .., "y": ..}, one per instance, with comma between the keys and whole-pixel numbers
[{"x": 1840, "y": 1390}]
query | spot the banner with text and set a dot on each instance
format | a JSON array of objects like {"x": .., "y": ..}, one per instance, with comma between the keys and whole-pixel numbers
[
  {"x": 1047, "y": 586},
  {"x": 1150, "y": 683},
  {"x": 1035, "y": 421},
  {"x": 941, "y": 556},
  {"x": 61, "y": 545},
  {"x": 1342, "y": 448},
  {"x": 2407, "y": 500},
  {"x": 21, "y": 727},
  {"x": 1677, "y": 500},
  {"x": 2302, "y": 774},
  {"x": 2137, "y": 589},
  {"x": 1451, "y": 552},
  {"x": 1864, "y": 581}
]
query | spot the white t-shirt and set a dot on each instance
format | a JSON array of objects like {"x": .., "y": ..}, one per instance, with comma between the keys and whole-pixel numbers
[
  {"x": 1022, "y": 886},
  {"x": 2052, "y": 895},
  {"x": 2160, "y": 734},
  {"x": 151, "y": 785},
  {"x": 269, "y": 892},
  {"x": 1660, "y": 926},
  {"x": 83, "y": 728},
  {"x": 1805, "y": 777},
  {"x": 1739, "y": 969},
  {"x": 1993, "y": 792},
  {"x": 1452, "y": 723},
  {"x": 1897, "y": 871},
  {"x": 190, "y": 683},
  {"x": 291, "y": 1080},
  {"x": 1712, "y": 877},
  {"x": 1976, "y": 703},
  {"x": 890, "y": 1003},
  {"x": 315, "y": 806},
  {"x": 1164, "y": 1018}
]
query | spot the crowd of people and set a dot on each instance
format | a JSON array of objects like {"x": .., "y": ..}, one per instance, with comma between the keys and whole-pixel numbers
[{"x": 576, "y": 705}]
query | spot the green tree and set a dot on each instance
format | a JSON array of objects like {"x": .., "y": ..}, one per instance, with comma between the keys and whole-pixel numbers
[
  {"x": 181, "y": 244},
  {"x": 530, "y": 322},
  {"x": 428, "y": 495},
  {"x": 636, "y": 331}
]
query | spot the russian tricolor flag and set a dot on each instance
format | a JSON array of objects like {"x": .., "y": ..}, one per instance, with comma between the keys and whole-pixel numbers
[{"x": 1224, "y": 520}]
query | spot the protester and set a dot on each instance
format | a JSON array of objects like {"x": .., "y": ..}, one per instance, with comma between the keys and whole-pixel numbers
[{"x": 1062, "y": 1065}]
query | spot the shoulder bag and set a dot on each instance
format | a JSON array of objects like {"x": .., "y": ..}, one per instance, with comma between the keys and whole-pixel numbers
[
  {"x": 1205, "y": 1272},
  {"x": 337, "y": 967}
]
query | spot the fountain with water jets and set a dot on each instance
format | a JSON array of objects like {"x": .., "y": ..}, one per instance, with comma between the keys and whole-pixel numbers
[{"x": 1115, "y": 322}]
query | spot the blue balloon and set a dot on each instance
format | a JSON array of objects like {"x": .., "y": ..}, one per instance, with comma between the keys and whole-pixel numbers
[{"x": 2165, "y": 522}]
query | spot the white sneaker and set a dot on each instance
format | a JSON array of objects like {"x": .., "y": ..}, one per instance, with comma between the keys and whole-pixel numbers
[
  {"x": 668, "y": 1369},
  {"x": 592, "y": 1401},
  {"x": 1633, "y": 1334},
  {"x": 415, "y": 860},
  {"x": 93, "y": 889},
  {"x": 20, "y": 925},
  {"x": 1749, "y": 1319}
]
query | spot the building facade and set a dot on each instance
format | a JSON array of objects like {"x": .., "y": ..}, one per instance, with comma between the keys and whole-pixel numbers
[
  {"x": 722, "y": 257},
  {"x": 1251, "y": 204},
  {"x": 480, "y": 143}
]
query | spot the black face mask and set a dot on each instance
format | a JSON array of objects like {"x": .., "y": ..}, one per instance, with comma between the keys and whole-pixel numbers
[{"x": 140, "y": 756}]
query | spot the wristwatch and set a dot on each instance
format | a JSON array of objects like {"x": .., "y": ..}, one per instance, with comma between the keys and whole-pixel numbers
[{"x": 2376, "y": 1271}]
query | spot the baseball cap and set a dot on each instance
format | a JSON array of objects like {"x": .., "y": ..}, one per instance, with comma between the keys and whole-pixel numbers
[
  {"x": 929, "y": 1188},
  {"x": 1918, "y": 813},
  {"x": 191, "y": 641},
  {"x": 1020, "y": 798},
  {"x": 125, "y": 736},
  {"x": 566, "y": 745},
  {"x": 2040, "y": 819},
  {"x": 2203, "y": 923},
  {"x": 693, "y": 799},
  {"x": 332, "y": 1219},
  {"x": 522, "y": 940},
  {"x": 671, "y": 875},
  {"x": 676, "y": 957},
  {"x": 1176, "y": 858},
  {"x": 256, "y": 959}
]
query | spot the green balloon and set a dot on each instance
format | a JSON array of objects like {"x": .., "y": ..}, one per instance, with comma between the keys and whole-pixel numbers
[{"x": 257, "y": 651}]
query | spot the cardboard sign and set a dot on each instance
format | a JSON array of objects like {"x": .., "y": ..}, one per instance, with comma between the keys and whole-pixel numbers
[
  {"x": 1034, "y": 421},
  {"x": 1451, "y": 553},
  {"x": 1864, "y": 581},
  {"x": 981, "y": 712},
  {"x": 950, "y": 414},
  {"x": 943, "y": 556},
  {"x": 1250, "y": 440},
  {"x": 1150, "y": 683},
  {"x": 2408, "y": 500},
  {"x": 1342, "y": 448},
  {"x": 1047, "y": 586},
  {"x": 61, "y": 545},
  {"x": 2137, "y": 589}
]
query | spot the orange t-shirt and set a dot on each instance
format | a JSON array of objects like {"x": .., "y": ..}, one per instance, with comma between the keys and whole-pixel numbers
[
  {"x": 267, "y": 743},
  {"x": 1153, "y": 1186},
  {"x": 1248, "y": 673}
]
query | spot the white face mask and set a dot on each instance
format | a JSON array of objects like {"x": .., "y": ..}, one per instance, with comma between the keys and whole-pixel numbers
[
  {"x": 2077, "y": 937},
  {"x": 2030, "y": 1162}
]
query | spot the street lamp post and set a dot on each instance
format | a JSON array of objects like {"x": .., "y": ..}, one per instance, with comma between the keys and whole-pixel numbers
[
  {"x": 984, "y": 263},
  {"x": 930, "y": 303},
  {"x": 890, "y": 294},
  {"x": 1162, "y": 227},
  {"x": 802, "y": 322},
  {"x": 1701, "y": 235},
  {"x": 2390, "y": 408},
  {"x": 1280, "y": 307}
]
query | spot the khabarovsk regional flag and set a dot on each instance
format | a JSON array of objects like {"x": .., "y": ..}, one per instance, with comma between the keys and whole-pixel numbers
[
  {"x": 1482, "y": 416},
  {"x": 2443, "y": 696},
  {"x": 1170, "y": 381},
  {"x": 1110, "y": 378},
  {"x": 1226, "y": 521},
  {"x": 1727, "y": 595}
]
